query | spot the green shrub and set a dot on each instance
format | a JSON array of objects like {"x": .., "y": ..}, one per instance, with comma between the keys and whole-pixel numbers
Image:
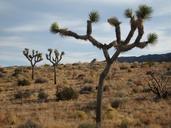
[
  {"x": 42, "y": 96},
  {"x": 87, "y": 125},
  {"x": 41, "y": 80},
  {"x": 67, "y": 93},
  {"x": 23, "y": 82},
  {"x": 29, "y": 124}
]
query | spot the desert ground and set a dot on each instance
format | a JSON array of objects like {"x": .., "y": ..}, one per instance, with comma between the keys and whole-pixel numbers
[{"x": 127, "y": 102}]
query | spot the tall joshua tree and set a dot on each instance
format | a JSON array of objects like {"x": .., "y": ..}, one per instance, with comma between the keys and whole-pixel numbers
[
  {"x": 33, "y": 57},
  {"x": 54, "y": 60},
  {"x": 120, "y": 45}
]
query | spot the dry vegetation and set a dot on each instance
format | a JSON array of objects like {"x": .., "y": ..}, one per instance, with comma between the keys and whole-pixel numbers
[{"x": 128, "y": 101}]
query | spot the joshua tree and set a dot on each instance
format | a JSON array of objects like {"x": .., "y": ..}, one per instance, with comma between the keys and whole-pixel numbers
[
  {"x": 34, "y": 58},
  {"x": 54, "y": 60},
  {"x": 120, "y": 45}
]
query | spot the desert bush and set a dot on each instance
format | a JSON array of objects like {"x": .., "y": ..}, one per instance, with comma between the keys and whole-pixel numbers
[
  {"x": 86, "y": 80},
  {"x": 2, "y": 74},
  {"x": 91, "y": 105},
  {"x": 17, "y": 71},
  {"x": 67, "y": 93},
  {"x": 87, "y": 125},
  {"x": 46, "y": 65},
  {"x": 22, "y": 94},
  {"x": 3, "y": 70},
  {"x": 123, "y": 67},
  {"x": 158, "y": 84},
  {"x": 23, "y": 82},
  {"x": 129, "y": 70},
  {"x": 150, "y": 64},
  {"x": 42, "y": 96},
  {"x": 41, "y": 80},
  {"x": 86, "y": 90},
  {"x": 116, "y": 103},
  {"x": 105, "y": 88},
  {"x": 124, "y": 124},
  {"x": 29, "y": 124}
]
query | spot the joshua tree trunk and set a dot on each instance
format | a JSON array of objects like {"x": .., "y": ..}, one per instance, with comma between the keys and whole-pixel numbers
[
  {"x": 100, "y": 94},
  {"x": 54, "y": 69},
  {"x": 32, "y": 75}
]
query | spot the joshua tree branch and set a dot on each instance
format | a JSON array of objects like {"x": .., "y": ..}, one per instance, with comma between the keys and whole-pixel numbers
[{"x": 106, "y": 54}]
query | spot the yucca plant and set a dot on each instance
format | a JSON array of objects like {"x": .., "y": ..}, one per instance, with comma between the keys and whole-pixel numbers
[{"x": 120, "y": 45}]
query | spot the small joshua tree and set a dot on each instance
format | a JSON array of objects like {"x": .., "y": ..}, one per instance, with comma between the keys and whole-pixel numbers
[
  {"x": 33, "y": 57},
  {"x": 54, "y": 60},
  {"x": 120, "y": 45}
]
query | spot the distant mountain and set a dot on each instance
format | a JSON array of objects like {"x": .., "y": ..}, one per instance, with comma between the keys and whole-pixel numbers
[{"x": 154, "y": 57}]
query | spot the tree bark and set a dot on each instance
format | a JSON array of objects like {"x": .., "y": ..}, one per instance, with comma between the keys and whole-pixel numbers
[
  {"x": 54, "y": 73},
  {"x": 100, "y": 94},
  {"x": 32, "y": 75}
]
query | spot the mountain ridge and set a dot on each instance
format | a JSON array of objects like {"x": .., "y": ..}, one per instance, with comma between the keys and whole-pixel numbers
[{"x": 144, "y": 58}]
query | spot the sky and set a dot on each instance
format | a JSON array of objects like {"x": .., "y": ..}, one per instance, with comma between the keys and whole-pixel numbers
[{"x": 26, "y": 24}]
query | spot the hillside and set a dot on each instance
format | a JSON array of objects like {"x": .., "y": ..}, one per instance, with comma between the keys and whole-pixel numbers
[
  {"x": 147, "y": 58},
  {"x": 127, "y": 100}
]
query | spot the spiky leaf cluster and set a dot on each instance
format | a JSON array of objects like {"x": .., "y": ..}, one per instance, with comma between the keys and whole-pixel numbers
[
  {"x": 128, "y": 13},
  {"x": 54, "y": 27},
  {"x": 152, "y": 38},
  {"x": 113, "y": 21},
  {"x": 94, "y": 16},
  {"x": 144, "y": 12}
]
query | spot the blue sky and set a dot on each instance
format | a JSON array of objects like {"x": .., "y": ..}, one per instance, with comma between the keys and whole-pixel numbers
[{"x": 26, "y": 23}]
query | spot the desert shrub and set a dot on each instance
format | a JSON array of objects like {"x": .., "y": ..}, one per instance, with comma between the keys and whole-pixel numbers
[
  {"x": 124, "y": 124},
  {"x": 17, "y": 71},
  {"x": 86, "y": 80},
  {"x": 23, "y": 82},
  {"x": 66, "y": 94},
  {"x": 105, "y": 88},
  {"x": 129, "y": 70},
  {"x": 158, "y": 84},
  {"x": 123, "y": 67},
  {"x": 80, "y": 114},
  {"x": 42, "y": 96},
  {"x": 2, "y": 74},
  {"x": 46, "y": 65},
  {"x": 87, "y": 125},
  {"x": 116, "y": 103},
  {"x": 2, "y": 70},
  {"x": 40, "y": 80},
  {"x": 29, "y": 124},
  {"x": 134, "y": 65},
  {"x": 86, "y": 90},
  {"x": 150, "y": 64},
  {"x": 90, "y": 106},
  {"x": 22, "y": 94}
]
